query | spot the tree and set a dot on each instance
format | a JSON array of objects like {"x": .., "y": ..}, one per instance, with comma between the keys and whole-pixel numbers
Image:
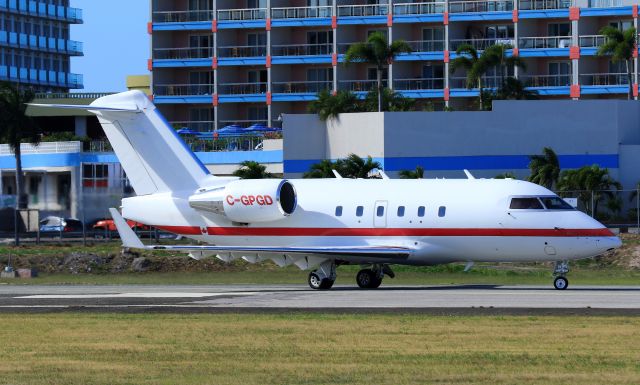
[
  {"x": 503, "y": 61},
  {"x": 418, "y": 173},
  {"x": 250, "y": 169},
  {"x": 324, "y": 169},
  {"x": 592, "y": 184},
  {"x": 514, "y": 89},
  {"x": 545, "y": 168},
  {"x": 16, "y": 127},
  {"x": 620, "y": 45},
  {"x": 476, "y": 66},
  {"x": 376, "y": 51},
  {"x": 391, "y": 101},
  {"x": 505, "y": 175},
  {"x": 329, "y": 106},
  {"x": 357, "y": 167}
]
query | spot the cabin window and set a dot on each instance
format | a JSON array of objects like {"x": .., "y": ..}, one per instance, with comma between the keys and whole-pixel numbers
[
  {"x": 421, "y": 211},
  {"x": 555, "y": 203},
  {"x": 380, "y": 211},
  {"x": 531, "y": 203},
  {"x": 359, "y": 211},
  {"x": 338, "y": 211},
  {"x": 442, "y": 211},
  {"x": 401, "y": 211}
]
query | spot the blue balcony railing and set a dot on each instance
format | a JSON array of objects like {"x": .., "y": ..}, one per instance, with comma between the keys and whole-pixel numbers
[
  {"x": 183, "y": 89},
  {"x": 544, "y": 42},
  {"x": 301, "y": 12},
  {"x": 302, "y": 49},
  {"x": 363, "y": 10},
  {"x": 526, "y": 5},
  {"x": 480, "y": 44},
  {"x": 608, "y": 79},
  {"x": 181, "y": 16},
  {"x": 426, "y": 45},
  {"x": 242, "y": 88},
  {"x": 418, "y": 84},
  {"x": 480, "y": 6},
  {"x": 41, "y": 77},
  {"x": 242, "y": 14},
  {"x": 561, "y": 80},
  {"x": 242, "y": 51},
  {"x": 182, "y": 53},
  {"x": 301, "y": 87}
]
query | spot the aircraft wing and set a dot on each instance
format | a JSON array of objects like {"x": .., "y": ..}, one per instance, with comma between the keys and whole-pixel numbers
[{"x": 254, "y": 253}]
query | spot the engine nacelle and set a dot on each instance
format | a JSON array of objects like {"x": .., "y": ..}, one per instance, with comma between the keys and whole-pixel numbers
[{"x": 249, "y": 200}]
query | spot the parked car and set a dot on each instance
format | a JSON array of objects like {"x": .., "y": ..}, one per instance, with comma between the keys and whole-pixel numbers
[
  {"x": 57, "y": 224},
  {"x": 107, "y": 225}
]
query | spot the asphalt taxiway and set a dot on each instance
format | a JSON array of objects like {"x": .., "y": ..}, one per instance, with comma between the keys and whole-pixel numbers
[{"x": 439, "y": 299}]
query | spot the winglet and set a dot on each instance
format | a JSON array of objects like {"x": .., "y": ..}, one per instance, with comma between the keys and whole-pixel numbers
[
  {"x": 468, "y": 174},
  {"x": 337, "y": 174},
  {"x": 383, "y": 174},
  {"x": 129, "y": 238}
]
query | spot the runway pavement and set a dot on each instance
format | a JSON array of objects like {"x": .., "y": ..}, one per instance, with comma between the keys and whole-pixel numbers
[{"x": 446, "y": 299}]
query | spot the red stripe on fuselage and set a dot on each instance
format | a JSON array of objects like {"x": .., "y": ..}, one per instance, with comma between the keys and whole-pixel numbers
[{"x": 386, "y": 232}]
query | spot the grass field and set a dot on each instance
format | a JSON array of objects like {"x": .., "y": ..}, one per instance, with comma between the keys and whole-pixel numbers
[{"x": 86, "y": 348}]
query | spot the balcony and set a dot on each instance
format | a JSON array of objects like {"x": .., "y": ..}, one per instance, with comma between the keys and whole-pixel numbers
[
  {"x": 242, "y": 14},
  {"x": 426, "y": 45},
  {"x": 419, "y": 8},
  {"x": 181, "y": 16},
  {"x": 182, "y": 53},
  {"x": 301, "y": 12},
  {"x": 242, "y": 88},
  {"x": 536, "y": 5},
  {"x": 479, "y": 44},
  {"x": 544, "y": 42},
  {"x": 418, "y": 84},
  {"x": 480, "y": 6},
  {"x": 591, "y": 41},
  {"x": 242, "y": 51},
  {"x": 183, "y": 89},
  {"x": 363, "y": 10},
  {"x": 359, "y": 85},
  {"x": 487, "y": 82},
  {"x": 302, "y": 49},
  {"x": 540, "y": 81},
  {"x": 301, "y": 87},
  {"x": 608, "y": 79}
]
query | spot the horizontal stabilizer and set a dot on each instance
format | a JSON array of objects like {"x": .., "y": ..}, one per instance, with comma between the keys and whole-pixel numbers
[{"x": 83, "y": 107}]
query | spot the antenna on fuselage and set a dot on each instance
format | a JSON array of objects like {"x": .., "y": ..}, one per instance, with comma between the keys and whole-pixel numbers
[
  {"x": 468, "y": 174},
  {"x": 383, "y": 175},
  {"x": 337, "y": 174}
]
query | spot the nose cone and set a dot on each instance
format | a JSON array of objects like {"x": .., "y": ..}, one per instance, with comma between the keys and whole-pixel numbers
[{"x": 612, "y": 243}]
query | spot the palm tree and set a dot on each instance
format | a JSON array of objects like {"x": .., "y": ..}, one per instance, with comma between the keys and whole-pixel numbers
[
  {"x": 250, "y": 169},
  {"x": 514, "y": 89},
  {"x": 505, "y": 62},
  {"x": 16, "y": 127},
  {"x": 391, "y": 101},
  {"x": 324, "y": 169},
  {"x": 476, "y": 66},
  {"x": 377, "y": 51},
  {"x": 329, "y": 106},
  {"x": 505, "y": 175},
  {"x": 620, "y": 45},
  {"x": 418, "y": 173},
  {"x": 592, "y": 184},
  {"x": 356, "y": 167},
  {"x": 545, "y": 168}
]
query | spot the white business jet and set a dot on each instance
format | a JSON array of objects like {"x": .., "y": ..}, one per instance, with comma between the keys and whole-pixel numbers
[{"x": 320, "y": 224}]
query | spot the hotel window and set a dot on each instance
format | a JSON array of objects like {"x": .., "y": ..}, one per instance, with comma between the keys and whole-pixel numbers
[
  {"x": 622, "y": 25},
  {"x": 432, "y": 39},
  {"x": 320, "y": 42},
  {"x": 95, "y": 175},
  {"x": 199, "y": 5},
  {"x": 256, "y": 4},
  {"x": 559, "y": 29}
]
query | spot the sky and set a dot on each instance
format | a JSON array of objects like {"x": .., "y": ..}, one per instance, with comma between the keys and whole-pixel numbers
[{"x": 116, "y": 43}]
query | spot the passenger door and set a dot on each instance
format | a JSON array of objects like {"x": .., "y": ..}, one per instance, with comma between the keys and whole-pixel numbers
[{"x": 380, "y": 214}]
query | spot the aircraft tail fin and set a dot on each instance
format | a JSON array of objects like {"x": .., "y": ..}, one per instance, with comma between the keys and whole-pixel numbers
[{"x": 151, "y": 153}]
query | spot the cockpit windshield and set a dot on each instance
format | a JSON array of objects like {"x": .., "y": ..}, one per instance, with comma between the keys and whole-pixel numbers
[{"x": 539, "y": 203}]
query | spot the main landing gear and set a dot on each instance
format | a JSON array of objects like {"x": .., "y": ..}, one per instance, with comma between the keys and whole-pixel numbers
[
  {"x": 369, "y": 278},
  {"x": 560, "y": 270},
  {"x": 323, "y": 277}
]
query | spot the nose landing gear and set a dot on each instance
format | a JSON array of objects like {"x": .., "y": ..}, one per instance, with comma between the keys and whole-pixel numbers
[{"x": 560, "y": 270}]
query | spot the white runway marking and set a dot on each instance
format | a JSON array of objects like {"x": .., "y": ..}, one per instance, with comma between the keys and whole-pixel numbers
[{"x": 133, "y": 295}]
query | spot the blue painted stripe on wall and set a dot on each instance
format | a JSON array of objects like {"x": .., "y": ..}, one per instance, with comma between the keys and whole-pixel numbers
[
  {"x": 41, "y": 160},
  {"x": 235, "y": 157},
  {"x": 487, "y": 162}
]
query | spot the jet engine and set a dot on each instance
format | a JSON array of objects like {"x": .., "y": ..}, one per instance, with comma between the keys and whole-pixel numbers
[{"x": 249, "y": 200}]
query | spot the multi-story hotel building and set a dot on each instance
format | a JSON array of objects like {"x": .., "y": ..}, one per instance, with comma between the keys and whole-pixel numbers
[
  {"x": 35, "y": 48},
  {"x": 226, "y": 61}
]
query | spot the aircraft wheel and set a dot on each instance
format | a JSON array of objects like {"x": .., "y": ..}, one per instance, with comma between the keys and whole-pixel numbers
[
  {"x": 317, "y": 283},
  {"x": 368, "y": 279},
  {"x": 560, "y": 283}
]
